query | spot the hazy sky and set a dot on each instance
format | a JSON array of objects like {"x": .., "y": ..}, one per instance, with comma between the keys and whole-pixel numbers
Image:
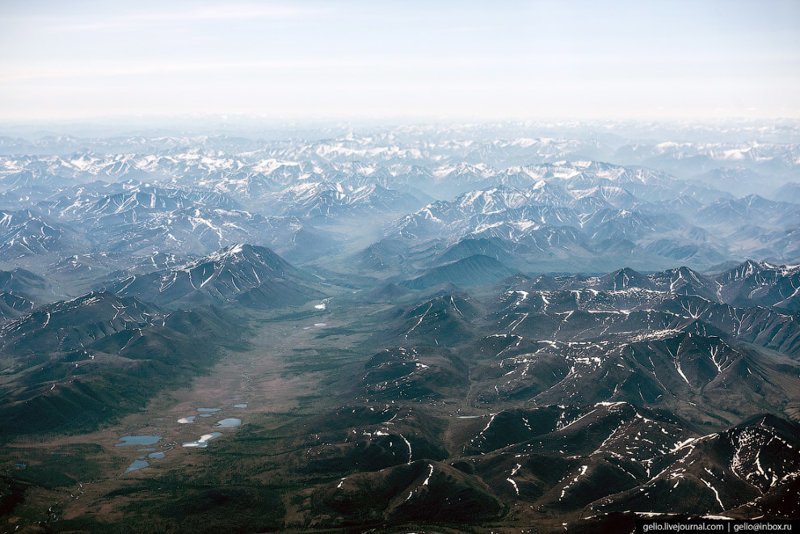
[{"x": 447, "y": 59}]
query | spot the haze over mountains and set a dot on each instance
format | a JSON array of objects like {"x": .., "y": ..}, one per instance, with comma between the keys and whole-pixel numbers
[
  {"x": 554, "y": 201},
  {"x": 417, "y": 327}
]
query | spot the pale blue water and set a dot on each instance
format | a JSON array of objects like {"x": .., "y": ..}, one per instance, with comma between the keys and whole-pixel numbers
[
  {"x": 136, "y": 465},
  {"x": 138, "y": 440},
  {"x": 230, "y": 422},
  {"x": 202, "y": 443}
]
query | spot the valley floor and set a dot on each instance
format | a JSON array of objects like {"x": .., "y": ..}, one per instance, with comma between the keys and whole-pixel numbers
[{"x": 315, "y": 451}]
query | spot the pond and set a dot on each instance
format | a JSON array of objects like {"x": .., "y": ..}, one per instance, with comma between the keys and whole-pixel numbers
[
  {"x": 136, "y": 465},
  {"x": 202, "y": 443},
  {"x": 126, "y": 441},
  {"x": 230, "y": 422}
]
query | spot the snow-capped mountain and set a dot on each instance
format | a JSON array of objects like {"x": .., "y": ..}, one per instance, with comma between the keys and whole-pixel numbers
[
  {"x": 250, "y": 275},
  {"x": 317, "y": 201},
  {"x": 521, "y": 325}
]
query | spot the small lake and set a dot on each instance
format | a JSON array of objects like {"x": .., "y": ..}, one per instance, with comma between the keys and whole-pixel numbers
[
  {"x": 202, "y": 443},
  {"x": 156, "y": 455},
  {"x": 136, "y": 465},
  {"x": 126, "y": 441},
  {"x": 230, "y": 422},
  {"x": 187, "y": 420}
]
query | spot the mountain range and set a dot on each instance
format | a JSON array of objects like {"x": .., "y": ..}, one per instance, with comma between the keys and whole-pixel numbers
[{"x": 426, "y": 328}]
